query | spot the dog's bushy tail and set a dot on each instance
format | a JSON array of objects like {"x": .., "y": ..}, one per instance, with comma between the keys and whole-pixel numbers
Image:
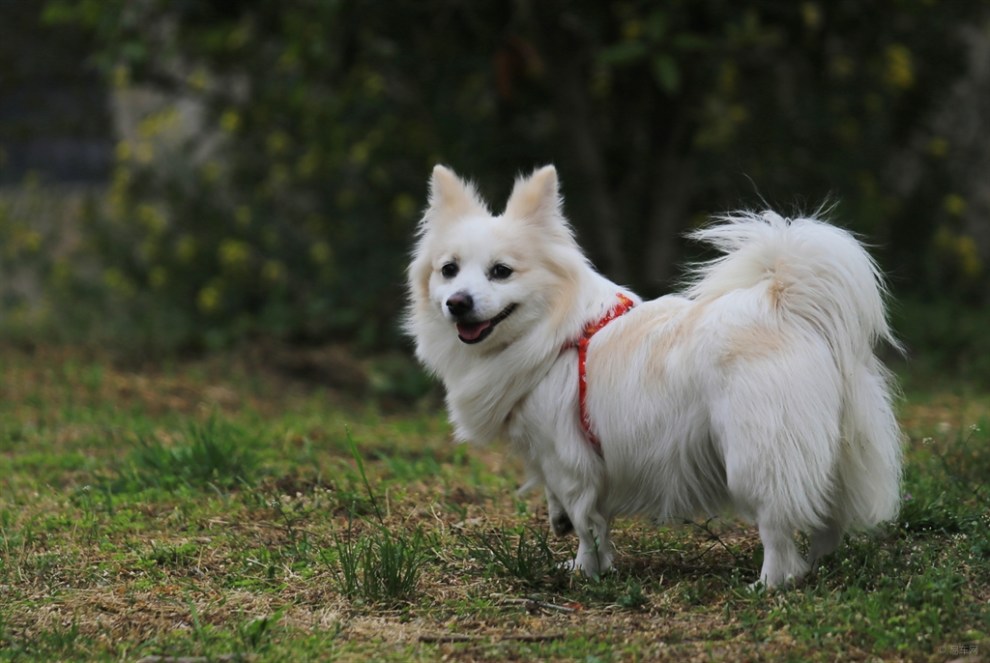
[
  {"x": 814, "y": 270},
  {"x": 821, "y": 276}
]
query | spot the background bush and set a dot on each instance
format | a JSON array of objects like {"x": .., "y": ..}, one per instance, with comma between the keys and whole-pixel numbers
[{"x": 270, "y": 158}]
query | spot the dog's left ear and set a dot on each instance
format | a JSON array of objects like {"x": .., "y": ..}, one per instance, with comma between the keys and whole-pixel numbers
[
  {"x": 535, "y": 197},
  {"x": 452, "y": 197}
]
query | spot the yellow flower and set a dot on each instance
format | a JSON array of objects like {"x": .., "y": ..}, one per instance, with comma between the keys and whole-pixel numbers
[
  {"x": 632, "y": 29},
  {"x": 22, "y": 240},
  {"x": 144, "y": 152},
  {"x": 121, "y": 76},
  {"x": 234, "y": 254},
  {"x": 320, "y": 253},
  {"x": 31, "y": 241},
  {"x": 954, "y": 204},
  {"x": 230, "y": 121},
  {"x": 151, "y": 218},
  {"x": 198, "y": 79},
  {"x": 374, "y": 84},
  {"x": 208, "y": 299},
  {"x": 898, "y": 67},
  {"x": 157, "y": 123},
  {"x": 360, "y": 153},
  {"x": 121, "y": 179},
  {"x": 116, "y": 281},
  {"x": 122, "y": 151},
  {"x": 969, "y": 256},
  {"x": 960, "y": 249},
  {"x": 404, "y": 206},
  {"x": 812, "y": 14},
  {"x": 277, "y": 142}
]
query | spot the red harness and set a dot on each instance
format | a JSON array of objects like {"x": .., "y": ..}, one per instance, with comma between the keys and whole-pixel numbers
[{"x": 581, "y": 345}]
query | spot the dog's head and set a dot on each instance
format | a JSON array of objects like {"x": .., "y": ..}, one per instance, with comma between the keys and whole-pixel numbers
[{"x": 486, "y": 280}]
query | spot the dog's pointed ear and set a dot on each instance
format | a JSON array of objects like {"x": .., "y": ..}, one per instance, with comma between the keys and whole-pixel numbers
[
  {"x": 535, "y": 197},
  {"x": 450, "y": 196}
]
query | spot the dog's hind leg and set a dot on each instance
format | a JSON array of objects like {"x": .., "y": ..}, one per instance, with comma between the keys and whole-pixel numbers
[
  {"x": 758, "y": 489},
  {"x": 782, "y": 561},
  {"x": 824, "y": 541},
  {"x": 560, "y": 522},
  {"x": 594, "y": 554},
  {"x": 755, "y": 489}
]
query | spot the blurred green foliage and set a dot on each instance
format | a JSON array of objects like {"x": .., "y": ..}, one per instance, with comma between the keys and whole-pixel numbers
[{"x": 275, "y": 187}]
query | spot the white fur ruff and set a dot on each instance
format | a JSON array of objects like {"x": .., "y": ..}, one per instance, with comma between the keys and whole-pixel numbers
[{"x": 755, "y": 390}]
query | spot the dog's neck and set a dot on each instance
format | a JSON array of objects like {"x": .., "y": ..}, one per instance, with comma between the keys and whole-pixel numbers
[{"x": 481, "y": 400}]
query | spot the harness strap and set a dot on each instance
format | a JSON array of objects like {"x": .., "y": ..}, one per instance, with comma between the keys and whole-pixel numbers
[{"x": 581, "y": 345}]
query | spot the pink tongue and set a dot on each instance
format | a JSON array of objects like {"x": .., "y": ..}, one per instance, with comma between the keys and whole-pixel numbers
[{"x": 472, "y": 331}]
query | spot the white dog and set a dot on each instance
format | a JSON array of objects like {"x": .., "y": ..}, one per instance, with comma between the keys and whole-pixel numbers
[{"x": 755, "y": 389}]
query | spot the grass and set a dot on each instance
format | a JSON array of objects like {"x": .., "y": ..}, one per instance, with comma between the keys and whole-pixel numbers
[
  {"x": 211, "y": 453},
  {"x": 381, "y": 568},
  {"x": 526, "y": 556},
  {"x": 212, "y": 509}
]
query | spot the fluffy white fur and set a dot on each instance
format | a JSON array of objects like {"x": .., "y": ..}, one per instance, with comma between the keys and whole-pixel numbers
[{"x": 756, "y": 389}]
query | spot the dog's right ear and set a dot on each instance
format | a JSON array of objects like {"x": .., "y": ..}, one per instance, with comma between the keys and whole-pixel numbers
[
  {"x": 536, "y": 197},
  {"x": 451, "y": 197}
]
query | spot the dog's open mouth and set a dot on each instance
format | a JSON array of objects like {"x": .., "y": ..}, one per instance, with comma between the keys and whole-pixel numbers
[{"x": 475, "y": 332}]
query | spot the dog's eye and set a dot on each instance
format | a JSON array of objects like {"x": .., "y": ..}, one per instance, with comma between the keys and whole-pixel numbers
[
  {"x": 449, "y": 270},
  {"x": 500, "y": 272}
]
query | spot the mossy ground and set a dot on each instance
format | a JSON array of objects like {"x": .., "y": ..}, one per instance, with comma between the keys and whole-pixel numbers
[{"x": 219, "y": 509}]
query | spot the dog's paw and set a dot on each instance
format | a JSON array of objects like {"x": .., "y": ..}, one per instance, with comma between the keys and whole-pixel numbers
[
  {"x": 577, "y": 569},
  {"x": 588, "y": 568},
  {"x": 767, "y": 585}
]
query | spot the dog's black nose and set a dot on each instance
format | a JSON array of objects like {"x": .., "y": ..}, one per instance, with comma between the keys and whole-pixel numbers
[{"x": 460, "y": 303}]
